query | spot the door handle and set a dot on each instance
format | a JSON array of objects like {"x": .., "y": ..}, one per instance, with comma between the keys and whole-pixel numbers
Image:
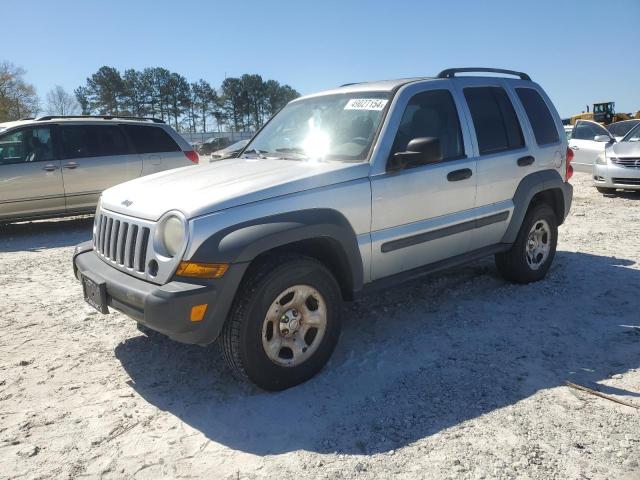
[
  {"x": 50, "y": 168},
  {"x": 574, "y": 147},
  {"x": 524, "y": 161},
  {"x": 458, "y": 175},
  {"x": 70, "y": 165}
]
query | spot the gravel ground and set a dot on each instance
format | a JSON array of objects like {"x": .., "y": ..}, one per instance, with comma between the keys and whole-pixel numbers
[{"x": 460, "y": 375}]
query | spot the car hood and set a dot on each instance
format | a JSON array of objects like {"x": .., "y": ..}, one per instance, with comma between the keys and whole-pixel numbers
[
  {"x": 625, "y": 149},
  {"x": 207, "y": 188}
]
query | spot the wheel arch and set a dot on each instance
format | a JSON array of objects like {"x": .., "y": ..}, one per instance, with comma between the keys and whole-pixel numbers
[
  {"x": 545, "y": 186},
  {"x": 323, "y": 234}
]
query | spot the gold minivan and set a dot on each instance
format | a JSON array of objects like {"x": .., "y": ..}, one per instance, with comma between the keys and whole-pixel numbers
[{"x": 55, "y": 166}]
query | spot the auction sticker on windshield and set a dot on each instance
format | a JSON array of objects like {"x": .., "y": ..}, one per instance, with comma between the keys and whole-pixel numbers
[{"x": 365, "y": 104}]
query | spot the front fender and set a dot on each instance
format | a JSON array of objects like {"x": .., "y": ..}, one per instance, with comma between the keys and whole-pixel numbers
[{"x": 243, "y": 242}]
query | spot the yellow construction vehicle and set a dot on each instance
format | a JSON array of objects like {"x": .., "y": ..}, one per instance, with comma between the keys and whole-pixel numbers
[{"x": 604, "y": 113}]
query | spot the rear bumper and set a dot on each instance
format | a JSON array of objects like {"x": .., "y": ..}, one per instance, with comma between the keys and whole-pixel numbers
[
  {"x": 164, "y": 308},
  {"x": 567, "y": 194},
  {"x": 614, "y": 176}
]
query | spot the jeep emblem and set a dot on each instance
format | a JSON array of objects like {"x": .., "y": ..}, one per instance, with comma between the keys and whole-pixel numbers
[{"x": 127, "y": 203}]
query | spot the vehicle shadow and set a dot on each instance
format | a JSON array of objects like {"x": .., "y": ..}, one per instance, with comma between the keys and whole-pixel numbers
[
  {"x": 626, "y": 194},
  {"x": 415, "y": 360},
  {"x": 44, "y": 234}
]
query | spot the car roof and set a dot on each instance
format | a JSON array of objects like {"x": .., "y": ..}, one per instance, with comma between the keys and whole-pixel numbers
[
  {"x": 392, "y": 85},
  {"x": 45, "y": 120}
]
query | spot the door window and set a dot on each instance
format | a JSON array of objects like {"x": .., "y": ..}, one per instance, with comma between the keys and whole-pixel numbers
[
  {"x": 494, "y": 119},
  {"x": 26, "y": 145},
  {"x": 83, "y": 141},
  {"x": 431, "y": 114},
  {"x": 588, "y": 130},
  {"x": 148, "y": 139},
  {"x": 544, "y": 128}
]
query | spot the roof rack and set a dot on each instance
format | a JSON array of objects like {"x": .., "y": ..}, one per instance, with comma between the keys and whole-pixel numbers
[
  {"x": 451, "y": 72},
  {"x": 104, "y": 117}
]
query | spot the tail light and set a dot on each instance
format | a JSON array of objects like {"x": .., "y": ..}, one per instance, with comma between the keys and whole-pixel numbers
[
  {"x": 569, "y": 172},
  {"x": 192, "y": 155}
]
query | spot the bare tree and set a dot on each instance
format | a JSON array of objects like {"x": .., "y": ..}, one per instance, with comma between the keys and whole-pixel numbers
[
  {"x": 59, "y": 102},
  {"x": 18, "y": 99}
]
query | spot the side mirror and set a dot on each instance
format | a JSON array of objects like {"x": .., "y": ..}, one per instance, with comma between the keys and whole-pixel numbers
[
  {"x": 602, "y": 138},
  {"x": 420, "y": 151}
]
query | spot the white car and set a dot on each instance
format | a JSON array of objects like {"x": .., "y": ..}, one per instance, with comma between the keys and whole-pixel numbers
[
  {"x": 619, "y": 165},
  {"x": 588, "y": 140}
]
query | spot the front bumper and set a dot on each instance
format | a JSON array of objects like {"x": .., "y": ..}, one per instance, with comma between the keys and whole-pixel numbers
[
  {"x": 613, "y": 176},
  {"x": 164, "y": 308}
]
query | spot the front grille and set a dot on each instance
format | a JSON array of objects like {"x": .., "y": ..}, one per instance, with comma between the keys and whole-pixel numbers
[
  {"x": 626, "y": 181},
  {"x": 121, "y": 242},
  {"x": 627, "y": 162}
]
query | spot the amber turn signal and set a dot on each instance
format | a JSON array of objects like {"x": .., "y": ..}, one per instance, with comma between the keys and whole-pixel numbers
[
  {"x": 197, "y": 312},
  {"x": 202, "y": 270}
]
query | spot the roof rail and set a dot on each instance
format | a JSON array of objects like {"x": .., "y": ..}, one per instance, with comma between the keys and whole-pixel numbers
[
  {"x": 451, "y": 72},
  {"x": 348, "y": 84},
  {"x": 104, "y": 117}
]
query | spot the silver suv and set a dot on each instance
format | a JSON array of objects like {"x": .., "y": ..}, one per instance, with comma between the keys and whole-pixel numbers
[
  {"x": 342, "y": 192},
  {"x": 52, "y": 166}
]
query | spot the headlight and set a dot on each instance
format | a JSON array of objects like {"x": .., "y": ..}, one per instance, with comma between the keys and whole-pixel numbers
[
  {"x": 601, "y": 159},
  {"x": 173, "y": 234}
]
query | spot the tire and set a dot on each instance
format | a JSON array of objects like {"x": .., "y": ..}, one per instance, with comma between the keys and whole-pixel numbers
[
  {"x": 606, "y": 190},
  {"x": 515, "y": 265},
  {"x": 256, "y": 324}
]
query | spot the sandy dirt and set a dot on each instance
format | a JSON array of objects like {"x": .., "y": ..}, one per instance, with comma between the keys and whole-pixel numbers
[{"x": 460, "y": 375}]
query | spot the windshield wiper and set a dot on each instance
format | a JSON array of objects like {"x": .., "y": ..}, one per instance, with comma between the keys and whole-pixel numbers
[
  {"x": 259, "y": 153},
  {"x": 295, "y": 150}
]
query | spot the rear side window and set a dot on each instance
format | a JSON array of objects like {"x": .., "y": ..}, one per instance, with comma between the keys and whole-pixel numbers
[
  {"x": 147, "y": 139},
  {"x": 494, "y": 119},
  {"x": 82, "y": 141},
  {"x": 544, "y": 128}
]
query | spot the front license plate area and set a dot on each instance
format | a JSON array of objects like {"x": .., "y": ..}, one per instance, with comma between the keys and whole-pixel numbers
[{"x": 95, "y": 293}]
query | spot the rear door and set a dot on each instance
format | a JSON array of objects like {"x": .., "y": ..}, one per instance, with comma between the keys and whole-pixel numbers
[
  {"x": 95, "y": 157},
  {"x": 157, "y": 150},
  {"x": 30, "y": 176},
  {"x": 501, "y": 153},
  {"x": 585, "y": 148}
]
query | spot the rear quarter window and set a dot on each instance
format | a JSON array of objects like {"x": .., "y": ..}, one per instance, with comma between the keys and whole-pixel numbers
[
  {"x": 148, "y": 139},
  {"x": 540, "y": 118}
]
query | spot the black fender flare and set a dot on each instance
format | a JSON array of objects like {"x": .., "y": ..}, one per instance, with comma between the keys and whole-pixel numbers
[
  {"x": 528, "y": 187},
  {"x": 243, "y": 242}
]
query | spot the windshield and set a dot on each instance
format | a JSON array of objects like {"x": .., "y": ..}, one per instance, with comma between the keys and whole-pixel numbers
[
  {"x": 633, "y": 135},
  {"x": 331, "y": 127}
]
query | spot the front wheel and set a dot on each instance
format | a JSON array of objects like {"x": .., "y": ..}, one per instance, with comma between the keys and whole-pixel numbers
[
  {"x": 531, "y": 255},
  {"x": 284, "y": 324}
]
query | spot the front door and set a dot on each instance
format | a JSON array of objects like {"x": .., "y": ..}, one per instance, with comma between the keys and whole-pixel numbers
[
  {"x": 95, "y": 157},
  {"x": 30, "y": 177},
  {"x": 420, "y": 214},
  {"x": 585, "y": 148}
]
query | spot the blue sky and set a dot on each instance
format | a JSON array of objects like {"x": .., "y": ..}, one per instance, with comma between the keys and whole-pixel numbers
[{"x": 579, "y": 51}]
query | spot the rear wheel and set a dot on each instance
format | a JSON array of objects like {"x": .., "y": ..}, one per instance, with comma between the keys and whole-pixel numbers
[
  {"x": 284, "y": 324},
  {"x": 606, "y": 190},
  {"x": 531, "y": 255}
]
